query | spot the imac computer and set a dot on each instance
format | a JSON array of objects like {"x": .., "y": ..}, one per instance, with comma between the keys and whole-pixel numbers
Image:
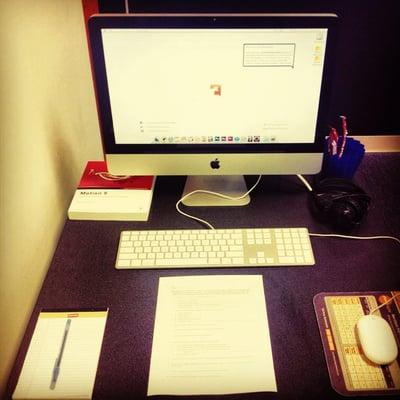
[{"x": 213, "y": 97}]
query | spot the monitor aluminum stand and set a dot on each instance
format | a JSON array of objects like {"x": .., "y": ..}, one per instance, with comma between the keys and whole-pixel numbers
[{"x": 229, "y": 185}]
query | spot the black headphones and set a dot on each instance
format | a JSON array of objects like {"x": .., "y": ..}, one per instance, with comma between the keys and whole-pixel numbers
[{"x": 339, "y": 203}]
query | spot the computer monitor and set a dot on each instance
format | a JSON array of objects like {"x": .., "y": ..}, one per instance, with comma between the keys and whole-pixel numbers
[{"x": 214, "y": 96}]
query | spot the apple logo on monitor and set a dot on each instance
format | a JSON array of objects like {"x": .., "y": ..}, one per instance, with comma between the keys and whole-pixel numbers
[{"x": 215, "y": 164}]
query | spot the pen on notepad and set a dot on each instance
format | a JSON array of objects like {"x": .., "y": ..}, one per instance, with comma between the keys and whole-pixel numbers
[{"x": 56, "y": 368}]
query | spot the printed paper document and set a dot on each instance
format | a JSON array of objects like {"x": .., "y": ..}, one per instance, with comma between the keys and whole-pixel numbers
[
  {"x": 211, "y": 336},
  {"x": 62, "y": 358}
]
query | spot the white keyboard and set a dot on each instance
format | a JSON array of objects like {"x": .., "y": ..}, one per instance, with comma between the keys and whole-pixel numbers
[{"x": 255, "y": 247}]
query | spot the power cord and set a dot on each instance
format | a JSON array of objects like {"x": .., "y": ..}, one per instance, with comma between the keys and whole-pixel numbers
[{"x": 304, "y": 180}]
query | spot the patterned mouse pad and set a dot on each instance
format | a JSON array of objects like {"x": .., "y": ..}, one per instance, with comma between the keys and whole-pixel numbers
[{"x": 350, "y": 372}]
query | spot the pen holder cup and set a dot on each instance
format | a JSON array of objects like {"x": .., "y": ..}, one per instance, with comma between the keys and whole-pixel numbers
[{"x": 345, "y": 166}]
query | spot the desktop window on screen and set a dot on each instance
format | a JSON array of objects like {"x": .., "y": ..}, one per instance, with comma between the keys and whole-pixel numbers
[{"x": 214, "y": 85}]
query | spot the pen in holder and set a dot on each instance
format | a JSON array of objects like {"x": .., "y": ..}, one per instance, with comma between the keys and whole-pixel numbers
[{"x": 342, "y": 154}]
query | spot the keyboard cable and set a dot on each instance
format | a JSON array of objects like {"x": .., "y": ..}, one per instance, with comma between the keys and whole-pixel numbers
[{"x": 224, "y": 196}]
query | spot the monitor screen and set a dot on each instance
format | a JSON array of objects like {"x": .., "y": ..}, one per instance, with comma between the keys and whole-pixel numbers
[{"x": 213, "y": 94}]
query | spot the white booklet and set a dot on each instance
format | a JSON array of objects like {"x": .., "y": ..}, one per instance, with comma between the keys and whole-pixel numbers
[
  {"x": 62, "y": 358},
  {"x": 111, "y": 204},
  {"x": 211, "y": 336}
]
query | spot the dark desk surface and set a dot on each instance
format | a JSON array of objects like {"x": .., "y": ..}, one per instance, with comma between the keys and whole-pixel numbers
[{"x": 82, "y": 275}]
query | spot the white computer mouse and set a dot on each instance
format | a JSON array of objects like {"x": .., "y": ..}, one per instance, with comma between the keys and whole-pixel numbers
[{"x": 377, "y": 339}]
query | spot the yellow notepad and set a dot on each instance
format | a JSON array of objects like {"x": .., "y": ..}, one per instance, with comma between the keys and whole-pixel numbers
[{"x": 63, "y": 355}]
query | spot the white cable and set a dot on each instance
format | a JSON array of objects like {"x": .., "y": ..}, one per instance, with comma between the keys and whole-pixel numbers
[
  {"x": 110, "y": 177},
  {"x": 383, "y": 304},
  {"x": 224, "y": 196},
  {"x": 192, "y": 216},
  {"x": 251, "y": 189},
  {"x": 354, "y": 237},
  {"x": 308, "y": 186}
]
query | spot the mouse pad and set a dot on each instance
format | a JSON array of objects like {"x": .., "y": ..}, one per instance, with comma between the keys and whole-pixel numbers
[{"x": 350, "y": 372}]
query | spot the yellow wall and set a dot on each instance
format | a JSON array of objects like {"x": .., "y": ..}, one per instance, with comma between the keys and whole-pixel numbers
[{"x": 48, "y": 130}]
